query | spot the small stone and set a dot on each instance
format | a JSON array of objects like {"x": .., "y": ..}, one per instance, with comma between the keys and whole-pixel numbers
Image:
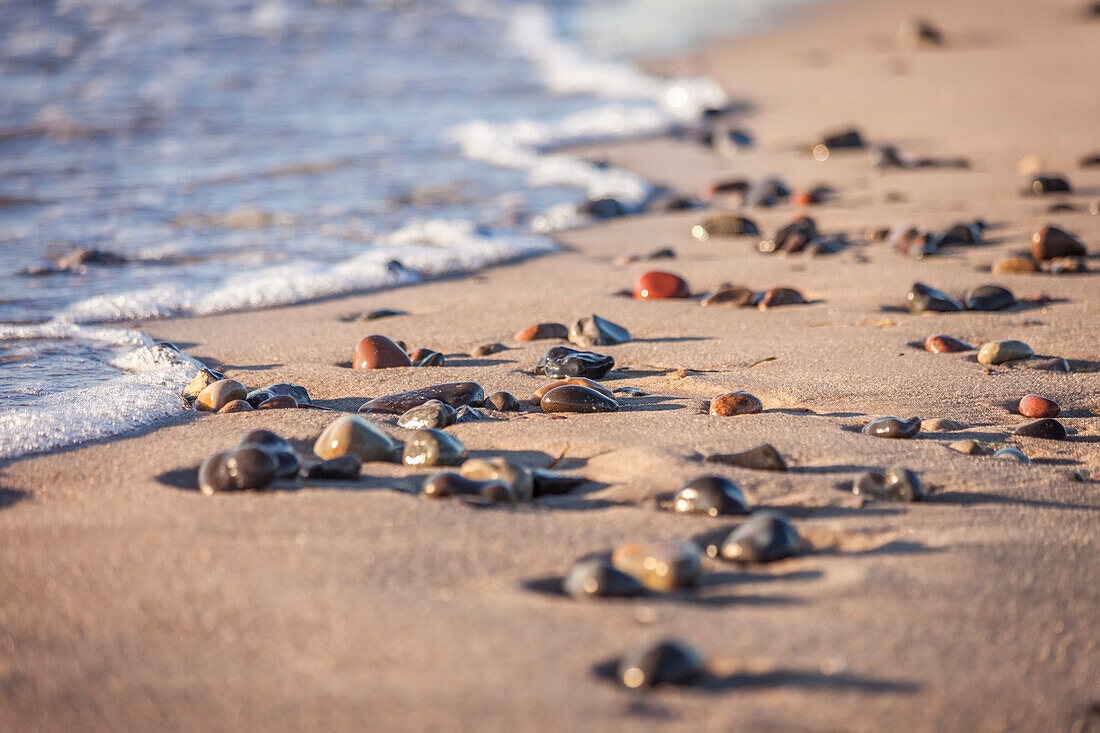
[
  {"x": 922, "y": 298},
  {"x": 661, "y": 566},
  {"x": 455, "y": 394},
  {"x": 969, "y": 447},
  {"x": 426, "y": 358},
  {"x": 960, "y": 234},
  {"x": 1053, "y": 364},
  {"x": 518, "y": 478},
  {"x": 219, "y": 394},
  {"x": 998, "y": 352},
  {"x": 595, "y": 577},
  {"x": 894, "y": 484},
  {"x": 561, "y": 362},
  {"x": 1047, "y": 428},
  {"x": 287, "y": 459},
  {"x": 725, "y": 225},
  {"x": 595, "y": 331},
  {"x": 735, "y": 403},
  {"x": 278, "y": 402},
  {"x": 237, "y": 470},
  {"x": 488, "y": 349},
  {"x": 656, "y": 285},
  {"x": 1011, "y": 454},
  {"x": 357, "y": 436},
  {"x": 941, "y": 425},
  {"x": 1033, "y": 405},
  {"x": 543, "y": 331},
  {"x": 765, "y": 536},
  {"x": 503, "y": 402},
  {"x": 735, "y": 186},
  {"x": 235, "y": 406},
  {"x": 766, "y": 193},
  {"x": 1011, "y": 265},
  {"x": 847, "y": 139},
  {"x": 664, "y": 253},
  {"x": 575, "y": 398},
  {"x": 763, "y": 457},
  {"x": 379, "y": 352},
  {"x": 656, "y": 663},
  {"x": 1042, "y": 185},
  {"x": 738, "y": 296},
  {"x": 431, "y": 447},
  {"x": 892, "y": 427},
  {"x": 469, "y": 414},
  {"x": 552, "y": 483},
  {"x": 257, "y": 397},
  {"x": 202, "y": 380},
  {"x": 779, "y": 296},
  {"x": 603, "y": 208},
  {"x": 710, "y": 495},
  {"x": 448, "y": 483},
  {"x": 1051, "y": 242},
  {"x": 297, "y": 391},
  {"x": 945, "y": 345},
  {"x": 988, "y": 298},
  {"x": 381, "y": 313},
  {"x": 342, "y": 468},
  {"x": 431, "y": 414},
  {"x": 536, "y": 398}
]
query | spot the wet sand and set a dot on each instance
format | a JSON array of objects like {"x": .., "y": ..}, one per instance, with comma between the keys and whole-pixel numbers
[{"x": 129, "y": 601}]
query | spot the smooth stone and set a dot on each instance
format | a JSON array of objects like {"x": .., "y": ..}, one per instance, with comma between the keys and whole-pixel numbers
[
  {"x": 766, "y": 193},
  {"x": 738, "y": 296},
  {"x": 988, "y": 298},
  {"x": 1012, "y": 265},
  {"x": 502, "y": 402},
  {"x": 297, "y": 391},
  {"x": 596, "y": 577},
  {"x": 596, "y": 331},
  {"x": 455, "y": 394},
  {"x": 946, "y": 345},
  {"x": 427, "y": 358},
  {"x": 961, "y": 234},
  {"x": 518, "y": 478},
  {"x": 892, "y": 427},
  {"x": 1053, "y": 364},
  {"x": 779, "y": 296},
  {"x": 656, "y": 285},
  {"x": 379, "y": 352},
  {"x": 357, "y": 436},
  {"x": 431, "y": 447},
  {"x": 603, "y": 208},
  {"x": 488, "y": 349},
  {"x": 551, "y": 483},
  {"x": 575, "y": 398},
  {"x": 536, "y": 398},
  {"x": 1033, "y": 405},
  {"x": 202, "y": 380},
  {"x": 725, "y": 225},
  {"x": 235, "y": 406},
  {"x": 342, "y": 468},
  {"x": 763, "y": 457},
  {"x": 1011, "y": 454},
  {"x": 289, "y": 463},
  {"x": 237, "y": 470},
  {"x": 661, "y": 566},
  {"x": 969, "y": 447},
  {"x": 893, "y": 484},
  {"x": 278, "y": 402},
  {"x": 710, "y": 495},
  {"x": 1046, "y": 427},
  {"x": 431, "y": 414},
  {"x": 656, "y": 663},
  {"x": 922, "y": 298},
  {"x": 219, "y": 394},
  {"x": 941, "y": 425},
  {"x": 765, "y": 536},
  {"x": 258, "y": 396},
  {"x": 543, "y": 331},
  {"x": 735, "y": 403},
  {"x": 561, "y": 362},
  {"x": 448, "y": 483},
  {"x": 998, "y": 352},
  {"x": 1041, "y": 185},
  {"x": 1051, "y": 242}
]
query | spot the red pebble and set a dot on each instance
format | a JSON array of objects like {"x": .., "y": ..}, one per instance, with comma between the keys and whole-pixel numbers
[
  {"x": 542, "y": 331},
  {"x": 1033, "y": 405},
  {"x": 379, "y": 352},
  {"x": 656, "y": 285},
  {"x": 735, "y": 403},
  {"x": 945, "y": 345}
]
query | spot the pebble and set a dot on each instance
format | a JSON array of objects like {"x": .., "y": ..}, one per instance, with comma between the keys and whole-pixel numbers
[
  {"x": 1041, "y": 185},
  {"x": 235, "y": 406},
  {"x": 257, "y": 397},
  {"x": 961, "y": 234},
  {"x": 596, "y": 577},
  {"x": 661, "y": 566},
  {"x": 278, "y": 402},
  {"x": 431, "y": 447},
  {"x": 766, "y": 193},
  {"x": 892, "y": 427},
  {"x": 763, "y": 457},
  {"x": 998, "y": 352},
  {"x": 596, "y": 331},
  {"x": 219, "y": 394},
  {"x": 542, "y": 331},
  {"x": 894, "y": 484},
  {"x": 988, "y": 298},
  {"x": 431, "y": 414},
  {"x": 1011, "y": 265},
  {"x": 379, "y": 352},
  {"x": 518, "y": 478},
  {"x": 659, "y": 662},
  {"x": 765, "y": 536},
  {"x": 561, "y": 362},
  {"x": 739, "y": 296},
  {"x": 779, "y": 296},
  {"x": 381, "y": 313},
  {"x": 735, "y": 403},
  {"x": 724, "y": 225},
  {"x": 941, "y": 425},
  {"x": 603, "y": 208},
  {"x": 536, "y": 398},
  {"x": 710, "y": 495},
  {"x": 297, "y": 391},
  {"x": 657, "y": 285},
  {"x": 1051, "y": 242},
  {"x": 503, "y": 402},
  {"x": 202, "y": 380},
  {"x": 448, "y": 483},
  {"x": 664, "y": 253},
  {"x": 551, "y": 483},
  {"x": 922, "y": 298},
  {"x": 1046, "y": 427},
  {"x": 488, "y": 349},
  {"x": 341, "y": 468},
  {"x": 575, "y": 398},
  {"x": 286, "y": 458},
  {"x": 847, "y": 139},
  {"x": 946, "y": 345},
  {"x": 1033, "y": 405},
  {"x": 237, "y": 470},
  {"x": 426, "y": 358},
  {"x": 455, "y": 394},
  {"x": 357, "y": 436},
  {"x": 1011, "y": 454},
  {"x": 969, "y": 447}
]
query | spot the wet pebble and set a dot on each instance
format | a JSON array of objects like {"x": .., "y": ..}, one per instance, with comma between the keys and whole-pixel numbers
[
  {"x": 235, "y": 406},
  {"x": 240, "y": 469},
  {"x": 219, "y": 394},
  {"x": 518, "y": 478},
  {"x": 941, "y": 425},
  {"x": 1051, "y": 242},
  {"x": 1011, "y": 454},
  {"x": 536, "y": 398},
  {"x": 735, "y": 403},
  {"x": 656, "y": 285},
  {"x": 942, "y": 344},
  {"x": 893, "y": 484},
  {"x": 431, "y": 414},
  {"x": 379, "y": 352},
  {"x": 765, "y": 536},
  {"x": 661, "y": 566},
  {"x": 763, "y": 457},
  {"x": 661, "y": 662},
  {"x": 999, "y": 352},
  {"x": 488, "y": 349},
  {"x": 988, "y": 298},
  {"x": 561, "y": 362},
  {"x": 922, "y": 298},
  {"x": 1047, "y": 428},
  {"x": 455, "y": 394},
  {"x": 448, "y": 483},
  {"x": 575, "y": 398},
  {"x": 596, "y": 577},
  {"x": 503, "y": 402},
  {"x": 1033, "y": 405},
  {"x": 431, "y": 447},
  {"x": 710, "y": 495},
  {"x": 341, "y": 468},
  {"x": 892, "y": 427},
  {"x": 543, "y": 331},
  {"x": 357, "y": 436},
  {"x": 596, "y": 331}
]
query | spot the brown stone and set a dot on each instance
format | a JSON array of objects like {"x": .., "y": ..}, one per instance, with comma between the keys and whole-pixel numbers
[
  {"x": 735, "y": 403},
  {"x": 657, "y": 285},
  {"x": 1011, "y": 265},
  {"x": 780, "y": 296},
  {"x": 236, "y": 406},
  {"x": 738, "y": 296},
  {"x": 1051, "y": 242},
  {"x": 1033, "y": 405},
  {"x": 379, "y": 352},
  {"x": 580, "y": 381},
  {"x": 279, "y": 402},
  {"x": 946, "y": 345},
  {"x": 543, "y": 331}
]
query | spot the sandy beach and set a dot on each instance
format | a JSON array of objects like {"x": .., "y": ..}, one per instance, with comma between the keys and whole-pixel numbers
[{"x": 129, "y": 601}]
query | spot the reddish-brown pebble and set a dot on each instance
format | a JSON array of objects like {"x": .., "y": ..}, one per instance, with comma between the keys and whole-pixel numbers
[
  {"x": 780, "y": 296},
  {"x": 657, "y": 285},
  {"x": 1014, "y": 264},
  {"x": 1033, "y": 405},
  {"x": 236, "y": 406},
  {"x": 945, "y": 345},
  {"x": 379, "y": 352},
  {"x": 1050, "y": 242},
  {"x": 543, "y": 331},
  {"x": 735, "y": 403},
  {"x": 278, "y": 402}
]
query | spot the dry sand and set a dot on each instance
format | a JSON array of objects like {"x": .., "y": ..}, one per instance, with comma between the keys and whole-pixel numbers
[{"x": 127, "y": 603}]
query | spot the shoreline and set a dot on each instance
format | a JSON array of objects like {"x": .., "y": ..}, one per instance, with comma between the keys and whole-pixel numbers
[{"x": 130, "y": 603}]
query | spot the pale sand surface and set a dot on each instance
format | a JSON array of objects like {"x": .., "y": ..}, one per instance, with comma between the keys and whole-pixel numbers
[{"x": 128, "y": 604}]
